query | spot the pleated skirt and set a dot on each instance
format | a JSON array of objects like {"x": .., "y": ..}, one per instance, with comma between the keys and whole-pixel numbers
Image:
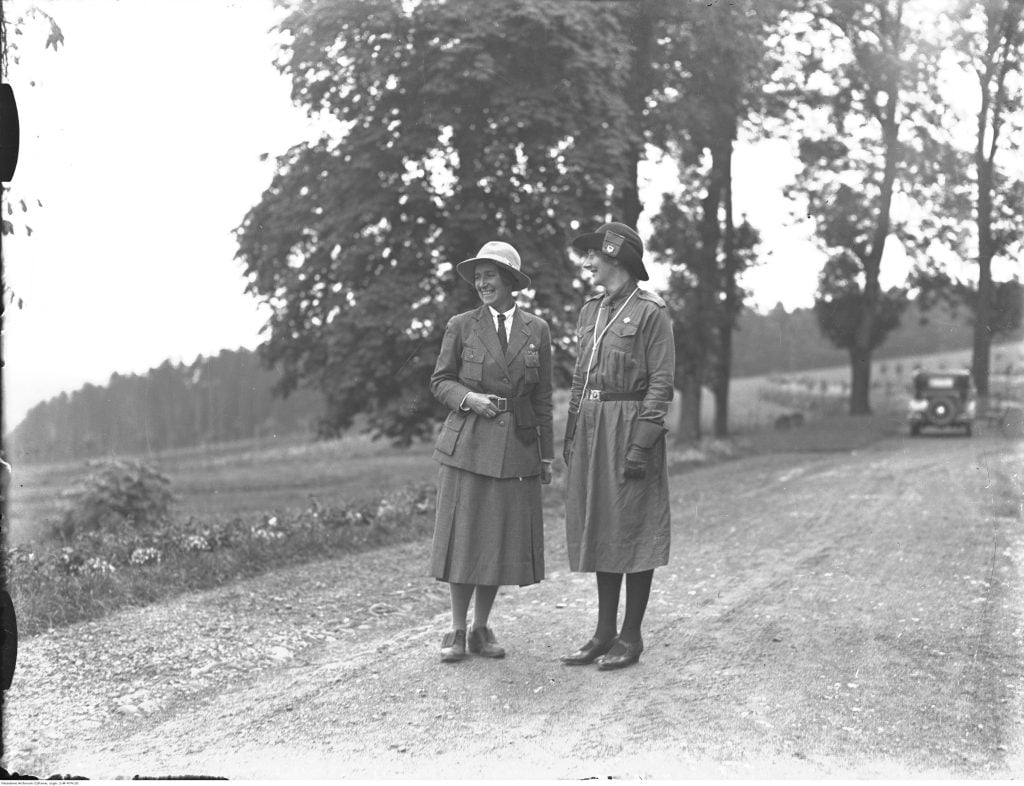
[{"x": 488, "y": 530}]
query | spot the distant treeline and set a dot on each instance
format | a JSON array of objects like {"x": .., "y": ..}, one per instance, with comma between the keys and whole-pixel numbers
[
  {"x": 214, "y": 399},
  {"x": 229, "y": 397},
  {"x": 782, "y": 341}
]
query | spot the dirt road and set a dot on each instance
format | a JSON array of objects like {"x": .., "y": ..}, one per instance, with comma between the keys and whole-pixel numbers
[{"x": 824, "y": 614}]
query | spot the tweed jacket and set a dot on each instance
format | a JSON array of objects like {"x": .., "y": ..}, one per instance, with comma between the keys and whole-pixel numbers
[{"x": 471, "y": 360}]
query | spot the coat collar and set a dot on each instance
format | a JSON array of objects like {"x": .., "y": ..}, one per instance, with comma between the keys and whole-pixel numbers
[{"x": 518, "y": 336}]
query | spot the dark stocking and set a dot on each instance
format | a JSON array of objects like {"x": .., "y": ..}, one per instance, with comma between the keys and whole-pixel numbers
[
  {"x": 608, "y": 587},
  {"x": 638, "y": 590}
]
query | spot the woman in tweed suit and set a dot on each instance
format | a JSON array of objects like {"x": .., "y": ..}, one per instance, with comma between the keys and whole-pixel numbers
[{"x": 495, "y": 448}]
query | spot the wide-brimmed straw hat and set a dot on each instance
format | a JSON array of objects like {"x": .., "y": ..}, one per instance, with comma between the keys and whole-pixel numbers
[
  {"x": 620, "y": 242},
  {"x": 501, "y": 254}
]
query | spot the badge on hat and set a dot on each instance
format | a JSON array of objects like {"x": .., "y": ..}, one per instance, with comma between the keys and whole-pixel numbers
[{"x": 612, "y": 243}]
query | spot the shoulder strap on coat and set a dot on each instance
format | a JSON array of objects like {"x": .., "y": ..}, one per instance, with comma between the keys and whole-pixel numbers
[{"x": 653, "y": 297}]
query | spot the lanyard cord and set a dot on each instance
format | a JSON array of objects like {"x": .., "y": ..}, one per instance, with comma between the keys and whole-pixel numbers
[{"x": 597, "y": 339}]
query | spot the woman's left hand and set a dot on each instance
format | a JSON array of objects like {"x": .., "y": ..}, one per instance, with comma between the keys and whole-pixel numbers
[{"x": 545, "y": 473}]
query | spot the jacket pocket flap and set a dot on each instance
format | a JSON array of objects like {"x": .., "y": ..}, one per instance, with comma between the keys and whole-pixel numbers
[
  {"x": 623, "y": 330},
  {"x": 449, "y": 435}
]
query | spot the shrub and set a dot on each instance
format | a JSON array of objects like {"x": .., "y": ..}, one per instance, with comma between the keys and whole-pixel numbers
[{"x": 120, "y": 497}]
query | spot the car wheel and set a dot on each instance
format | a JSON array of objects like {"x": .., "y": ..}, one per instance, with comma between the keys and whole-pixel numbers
[{"x": 941, "y": 411}]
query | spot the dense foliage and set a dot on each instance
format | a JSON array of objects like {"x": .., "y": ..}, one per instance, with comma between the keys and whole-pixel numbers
[{"x": 118, "y": 498}]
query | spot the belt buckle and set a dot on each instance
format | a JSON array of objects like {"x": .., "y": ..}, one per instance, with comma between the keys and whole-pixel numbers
[
  {"x": 594, "y": 395},
  {"x": 501, "y": 404}
]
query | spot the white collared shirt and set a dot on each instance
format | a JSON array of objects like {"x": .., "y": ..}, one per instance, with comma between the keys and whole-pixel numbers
[{"x": 508, "y": 320}]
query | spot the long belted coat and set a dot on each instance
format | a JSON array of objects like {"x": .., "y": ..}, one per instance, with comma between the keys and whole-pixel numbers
[
  {"x": 490, "y": 523},
  {"x": 471, "y": 360},
  {"x": 613, "y": 524}
]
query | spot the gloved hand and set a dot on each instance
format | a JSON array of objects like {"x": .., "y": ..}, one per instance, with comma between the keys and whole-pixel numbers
[
  {"x": 645, "y": 434},
  {"x": 636, "y": 462},
  {"x": 570, "y": 431}
]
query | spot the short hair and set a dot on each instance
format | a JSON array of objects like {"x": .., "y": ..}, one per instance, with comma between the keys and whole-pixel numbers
[{"x": 507, "y": 277}]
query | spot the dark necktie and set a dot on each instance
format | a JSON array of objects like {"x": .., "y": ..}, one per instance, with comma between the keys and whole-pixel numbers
[{"x": 502, "y": 335}]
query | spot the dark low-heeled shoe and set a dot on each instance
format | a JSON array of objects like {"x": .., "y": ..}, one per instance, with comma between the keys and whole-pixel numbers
[
  {"x": 588, "y": 653},
  {"x": 621, "y": 655}
]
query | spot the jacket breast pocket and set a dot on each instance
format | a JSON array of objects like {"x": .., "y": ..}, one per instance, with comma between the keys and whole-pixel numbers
[
  {"x": 449, "y": 436},
  {"x": 532, "y": 366},
  {"x": 621, "y": 336},
  {"x": 472, "y": 363}
]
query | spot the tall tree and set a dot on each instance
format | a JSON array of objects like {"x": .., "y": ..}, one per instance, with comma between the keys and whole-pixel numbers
[
  {"x": 990, "y": 38},
  {"x": 867, "y": 75},
  {"x": 456, "y": 122},
  {"x": 715, "y": 61}
]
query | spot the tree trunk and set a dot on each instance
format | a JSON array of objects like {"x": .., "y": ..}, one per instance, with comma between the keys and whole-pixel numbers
[
  {"x": 860, "y": 381},
  {"x": 982, "y": 344},
  {"x": 982, "y": 348},
  {"x": 688, "y": 431},
  {"x": 721, "y": 159},
  {"x": 628, "y": 205}
]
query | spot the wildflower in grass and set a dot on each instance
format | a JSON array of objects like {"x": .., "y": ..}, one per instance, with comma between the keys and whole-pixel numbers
[
  {"x": 97, "y": 565},
  {"x": 146, "y": 556},
  {"x": 387, "y": 512},
  {"x": 70, "y": 560},
  {"x": 196, "y": 543},
  {"x": 259, "y": 533}
]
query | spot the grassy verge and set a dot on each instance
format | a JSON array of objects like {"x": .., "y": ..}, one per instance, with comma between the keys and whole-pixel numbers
[{"x": 54, "y": 584}]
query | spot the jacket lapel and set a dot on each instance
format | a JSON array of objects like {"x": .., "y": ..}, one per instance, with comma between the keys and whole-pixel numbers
[
  {"x": 519, "y": 336},
  {"x": 489, "y": 337}
]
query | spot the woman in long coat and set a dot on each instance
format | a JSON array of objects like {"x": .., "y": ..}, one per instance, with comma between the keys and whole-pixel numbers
[
  {"x": 617, "y": 503},
  {"x": 495, "y": 448}
]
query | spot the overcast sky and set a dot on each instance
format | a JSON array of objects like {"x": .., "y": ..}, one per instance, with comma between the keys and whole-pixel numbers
[{"x": 142, "y": 137}]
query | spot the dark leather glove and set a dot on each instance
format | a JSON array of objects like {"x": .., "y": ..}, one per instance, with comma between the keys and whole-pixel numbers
[
  {"x": 570, "y": 431},
  {"x": 636, "y": 462},
  {"x": 645, "y": 434}
]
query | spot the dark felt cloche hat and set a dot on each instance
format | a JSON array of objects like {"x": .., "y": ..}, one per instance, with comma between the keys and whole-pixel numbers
[{"x": 618, "y": 241}]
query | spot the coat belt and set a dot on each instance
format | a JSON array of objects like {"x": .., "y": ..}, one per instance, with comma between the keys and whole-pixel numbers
[
  {"x": 507, "y": 404},
  {"x": 609, "y": 395}
]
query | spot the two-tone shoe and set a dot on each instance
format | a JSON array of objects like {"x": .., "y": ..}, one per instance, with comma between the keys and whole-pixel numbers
[
  {"x": 588, "y": 653},
  {"x": 453, "y": 646},
  {"x": 482, "y": 642},
  {"x": 622, "y": 654}
]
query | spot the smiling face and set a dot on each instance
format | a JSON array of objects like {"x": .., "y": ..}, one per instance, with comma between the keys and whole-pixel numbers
[
  {"x": 600, "y": 267},
  {"x": 493, "y": 290}
]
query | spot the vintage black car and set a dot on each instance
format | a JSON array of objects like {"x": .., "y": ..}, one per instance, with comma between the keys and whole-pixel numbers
[{"x": 942, "y": 399}]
